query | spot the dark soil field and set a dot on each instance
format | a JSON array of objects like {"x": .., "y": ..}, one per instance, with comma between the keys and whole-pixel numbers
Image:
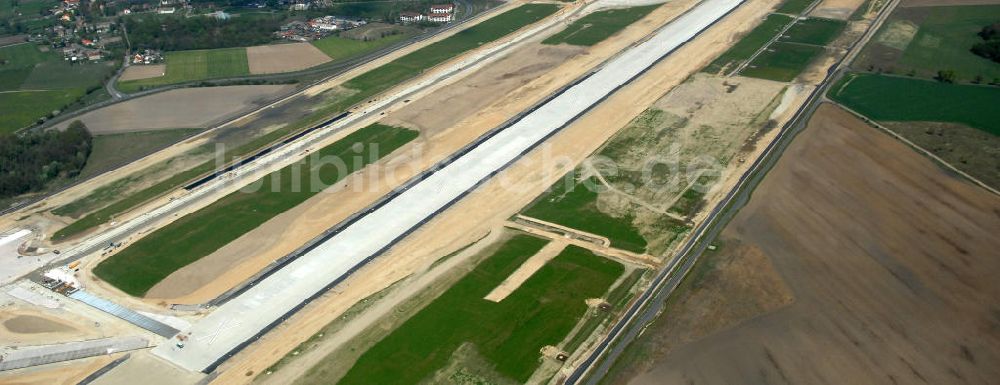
[{"x": 891, "y": 264}]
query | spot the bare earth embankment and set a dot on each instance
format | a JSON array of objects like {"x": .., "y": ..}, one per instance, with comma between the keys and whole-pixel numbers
[{"x": 890, "y": 262}]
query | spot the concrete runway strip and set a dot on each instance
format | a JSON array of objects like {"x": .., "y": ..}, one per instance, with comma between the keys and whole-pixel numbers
[{"x": 245, "y": 318}]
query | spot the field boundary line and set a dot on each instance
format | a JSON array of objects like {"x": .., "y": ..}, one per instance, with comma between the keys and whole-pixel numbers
[{"x": 917, "y": 147}]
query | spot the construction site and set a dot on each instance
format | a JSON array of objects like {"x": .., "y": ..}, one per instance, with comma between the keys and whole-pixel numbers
[{"x": 500, "y": 216}]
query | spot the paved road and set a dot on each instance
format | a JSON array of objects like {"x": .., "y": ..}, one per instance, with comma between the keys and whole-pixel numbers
[{"x": 650, "y": 303}]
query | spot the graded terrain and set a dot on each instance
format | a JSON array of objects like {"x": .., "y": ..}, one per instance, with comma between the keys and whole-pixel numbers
[{"x": 883, "y": 273}]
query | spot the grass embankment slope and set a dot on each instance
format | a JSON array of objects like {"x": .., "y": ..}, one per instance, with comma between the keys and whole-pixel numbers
[
  {"x": 363, "y": 87},
  {"x": 188, "y": 66},
  {"x": 508, "y": 334},
  {"x": 597, "y": 26},
  {"x": 140, "y": 266},
  {"x": 891, "y": 98},
  {"x": 34, "y": 83}
]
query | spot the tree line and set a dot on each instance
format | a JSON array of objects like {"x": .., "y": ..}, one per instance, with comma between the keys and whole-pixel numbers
[
  {"x": 28, "y": 162},
  {"x": 990, "y": 46},
  {"x": 177, "y": 33}
]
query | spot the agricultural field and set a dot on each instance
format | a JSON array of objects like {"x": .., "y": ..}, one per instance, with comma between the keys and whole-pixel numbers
[
  {"x": 786, "y": 58},
  {"x": 893, "y": 98},
  {"x": 189, "y": 66},
  {"x": 782, "y": 61},
  {"x": 113, "y": 150},
  {"x": 957, "y": 123},
  {"x": 597, "y": 26},
  {"x": 920, "y": 41},
  {"x": 35, "y": 82},
  {"x": 143, "y": 264},
  {"x": 460, "y": 332},
  {"x": 749, "y": 44},
  {"x": 19, "y": 109},
  {"x": 814, "y": 31},
  {"x": 898, "y": 236}
]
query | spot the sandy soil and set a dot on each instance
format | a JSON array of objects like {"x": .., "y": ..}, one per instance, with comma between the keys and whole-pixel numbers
[
  {"x": 26, "y": 325},
  {"x": 836, "y": 9},
  {"x": 62, "y": 373},
  {"x": 274, "y": 58},
  {"x": 525, "y": 271},
  {"x": 30, "y": 324},
  {"x": 482, "y": 88},
  {"x": 136, "y": 72},
  {"x": 186, "y": 107},
  {"x": 889, "y": 260},
  {"x": 149, "y": 370},
  {"x": 503, "y": 196}
]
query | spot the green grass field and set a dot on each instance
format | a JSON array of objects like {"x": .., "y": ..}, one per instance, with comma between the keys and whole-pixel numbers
[
  {"x": 338, "y": 48},
  {"x": 794, "y": 7},
  {"x": 890, "y": 98},
  {"x": 576, "y": 207},
  {"x": 944, "y": 40},
  {"x": 189, "y": 66},
  {"x": 33, "y": 83},
  {"x": 23, "y": 55},
  {"x": 52, "y": 75},
  {"x": 814, "y": 31},
  {"x": 508, "y": 334},
  {"x": 749, "y": 44},
  {"x": 22, "y": 108},
  {"x": 141, "y": 265},
  {"x": 782, "y": 61},
  {"x": 597, "y": 26},
  {"x": 114, "y": 149}
]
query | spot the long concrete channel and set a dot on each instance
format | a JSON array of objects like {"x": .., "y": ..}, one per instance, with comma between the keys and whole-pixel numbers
[{"x": 242, "y": 320}]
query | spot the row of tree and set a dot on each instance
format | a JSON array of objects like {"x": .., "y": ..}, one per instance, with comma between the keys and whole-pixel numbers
[
  {"x": 178, "y": 33},
  {"x": 28, "y": 162},
  {"x": 990, "y": 46}
]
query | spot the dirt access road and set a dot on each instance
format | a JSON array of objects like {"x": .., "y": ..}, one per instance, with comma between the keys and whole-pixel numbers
[{"x": 890, "y": 263}]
